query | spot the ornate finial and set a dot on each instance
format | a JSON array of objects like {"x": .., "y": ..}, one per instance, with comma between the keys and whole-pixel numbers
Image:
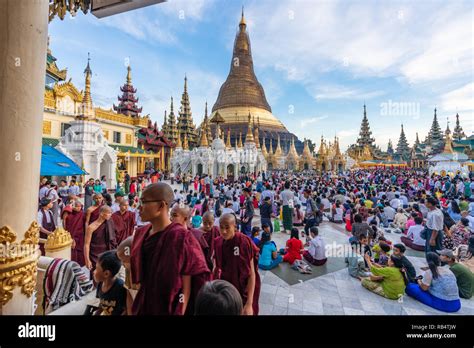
[
  {"x": 49, "y": 50},
  {"x": 88, "y": 70},
  {"x": 249, "y": 136},
  {"x": 129, "y": 75},
  {"x": 178, "y": 141},
  {"x": 205, "y": 110},
  {"x": 204, "y": 141},
  {"x": 239, "y": 144},
  {"x": 242, "y": 19},
  {"x": 185, "y": 83},
  {"x": 171, "y": 107}
]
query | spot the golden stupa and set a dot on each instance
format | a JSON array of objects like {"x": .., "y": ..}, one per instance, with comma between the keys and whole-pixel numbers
[{"x": 242, "y": 94}]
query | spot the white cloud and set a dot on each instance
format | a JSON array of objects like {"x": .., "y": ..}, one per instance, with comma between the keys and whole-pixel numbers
[
  {"x": 341, "y": 92},
  {"x": 459, "y": 99},
  {"x": 307, "y": 121},
  {"x": 363, "y": 39}
]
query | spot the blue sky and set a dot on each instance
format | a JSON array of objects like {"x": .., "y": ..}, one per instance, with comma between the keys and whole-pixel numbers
[{"x": 318, "y": 61}]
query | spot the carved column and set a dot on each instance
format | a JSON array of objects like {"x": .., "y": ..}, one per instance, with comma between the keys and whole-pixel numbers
[{"x": 23, "y": 41}]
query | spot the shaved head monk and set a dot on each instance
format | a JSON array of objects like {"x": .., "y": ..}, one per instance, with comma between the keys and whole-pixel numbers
[
  {"x": 236, "y": 258},
  {"x": 124, "y": 251},
  {"x": 100, "y": 237},
  {"x": 181, "y": 215},
  {"x": 210, "y": 232},
  {"x": 167, "y": 260},
  {"x": 124, "y": 220},
  {"x": 93, "y": 212}
]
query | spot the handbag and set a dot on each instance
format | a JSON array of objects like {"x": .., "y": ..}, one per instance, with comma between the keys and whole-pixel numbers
[{"x": 276, "y": 225}]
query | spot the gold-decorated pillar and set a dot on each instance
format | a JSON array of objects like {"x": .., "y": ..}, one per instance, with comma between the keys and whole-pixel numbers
[{"x": 23, "y": 41}]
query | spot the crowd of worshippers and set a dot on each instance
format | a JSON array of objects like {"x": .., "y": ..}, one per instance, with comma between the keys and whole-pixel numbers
[{"x": 140, "y": 242}]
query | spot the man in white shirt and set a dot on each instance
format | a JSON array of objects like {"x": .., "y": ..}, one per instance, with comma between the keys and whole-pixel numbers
[
  {"x": 395, "y": 203},
  {"x": 466, "y": 215},
  {"x": 316, "y": 253},
  {"x": 434, "y": 226},
  {"x": 389, "y": 213},
  {"x": 118, "y": 199}
]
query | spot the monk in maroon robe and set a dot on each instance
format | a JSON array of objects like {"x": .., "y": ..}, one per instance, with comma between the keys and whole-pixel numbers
[
  {"x": 100, "y": 237},
  {"x": 124, "y": 221},
  {"x": 166, "y": 260},
  {"x": 93, "y": 212},
  {"x": 210, "y": 233},
  {"x": 181, "y": 215},
  {"x": 45, "y": 220},
  {"x": 236, "y": 258},
  {"x": 75, "y": 224}
]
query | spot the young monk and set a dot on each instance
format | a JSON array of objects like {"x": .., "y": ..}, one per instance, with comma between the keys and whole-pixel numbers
[
  {"x": 210, "y": 233},
  {"x": 181, "y": 215},
  {"x": 125, "y": 219},
  {"x": 93, "y": 212},
  {"x": 236, "y": 259},
  {"x": 167, "y": 260},
  {"x": 99, "y": 238}
]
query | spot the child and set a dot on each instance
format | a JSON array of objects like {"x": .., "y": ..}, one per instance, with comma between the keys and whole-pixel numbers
[
  {"x": 269, "y": 257},
  {"x": 365, "y": 248},
  {"x": 196, "y": 221},
  {"x": 294, "y": 247},
  {"x": 218, "y": 297},
  {"x": 266, "y": 228},
  {"x": 256, "y": 235},
  {"x": 357, "y": 268},
  {"x": 384, "y": 254},
  {"x": 110, "y": 289}
]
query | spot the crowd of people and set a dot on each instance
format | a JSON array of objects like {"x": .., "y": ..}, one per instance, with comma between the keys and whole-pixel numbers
[{"x": 193, "y": 249}]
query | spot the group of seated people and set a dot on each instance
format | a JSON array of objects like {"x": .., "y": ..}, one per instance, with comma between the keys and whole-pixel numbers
[
  {"x": 386, "y": 271},
  {"x": 294, "y": 251}
]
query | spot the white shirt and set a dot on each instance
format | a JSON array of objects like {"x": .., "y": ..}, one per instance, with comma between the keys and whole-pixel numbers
[
  {"x": 395, "y": 203},
  {"x": 338, "y": 214},
  {"x": 389, "y": 213},
  {"x": 317, "y": 248},
  {"x": 325, "y": 202},
  {"x": 115, "y": 207},
  {"x": 227, "y": 211},
  {"x": 39, "y": 217},
  {"x": 43, "y": 191},
  {"x": 471, "y": 222},
  {"x": 414, "y": 233},
  {"x": 435, "y": 220}
]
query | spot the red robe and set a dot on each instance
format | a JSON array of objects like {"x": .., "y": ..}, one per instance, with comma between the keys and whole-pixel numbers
[
  {"x": 210, "y": 238},
  {"x": 125, "y": 224},
  {"x": 236, "y": 268},
  {"x": 157, "y": 264},
  {"x": 95, "y": 214},
  {"x": 204, "y": 245},
  {"x": 103, "y": 239},
  {"x": 75, "y": 225}
]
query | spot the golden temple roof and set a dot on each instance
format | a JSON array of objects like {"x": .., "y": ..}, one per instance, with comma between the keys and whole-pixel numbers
[{"x": 241, "y": 87}]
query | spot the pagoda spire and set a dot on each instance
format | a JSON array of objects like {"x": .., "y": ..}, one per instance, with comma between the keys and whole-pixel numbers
[
  {"x": 403, "y": 149},
  {"x": 249, "y": 137},
  {"x": 241, "y": 86},
  {"x": 365, "y": 134},
  {"x": 278, "y": 151},
  {"x": 164, "y": 128},
  {"x": 185, "y": 142},
  {"x": 128, "y": 101},
  {"x": 172, "y": 127},
  {"x": 390, "y": 148},
  {"x": 204, "y": 141},
  {"x": 435, "y": 135},
  {"x": 417, "y": 140},
  {"x": 458, "y": 133},
  {"x": 185, "y": 119},
  {"x": 264, "y": 147},
  {"x": 87, "y": 100},
  {"x": 255, "y": 133},
  {"x": 448, "y": 148}
]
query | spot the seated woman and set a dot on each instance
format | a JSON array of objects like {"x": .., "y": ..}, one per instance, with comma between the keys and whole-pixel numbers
[
  {"x": 316, "y": 254},
  {"x": 269, "y": 257},
  {"x": 294, "y": 247},
  {"x": 457, "y": 235},
  {"x": 437, "y": 288},
  {"x": 413, "y": 238},
  {"x": 298, "y": 216},
  {"x": 356, "y": 264},
  {"x": 337, "y": 213},
  {"x": 358, "y": 228},
  {"x": 389, "y": 281}
]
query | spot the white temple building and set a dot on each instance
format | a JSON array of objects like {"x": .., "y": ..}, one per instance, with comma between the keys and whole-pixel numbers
[
  {"x": 219, "y": 158},
  {"x": 85, "y": 144},
  {"x": 449, "y": 162}
]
